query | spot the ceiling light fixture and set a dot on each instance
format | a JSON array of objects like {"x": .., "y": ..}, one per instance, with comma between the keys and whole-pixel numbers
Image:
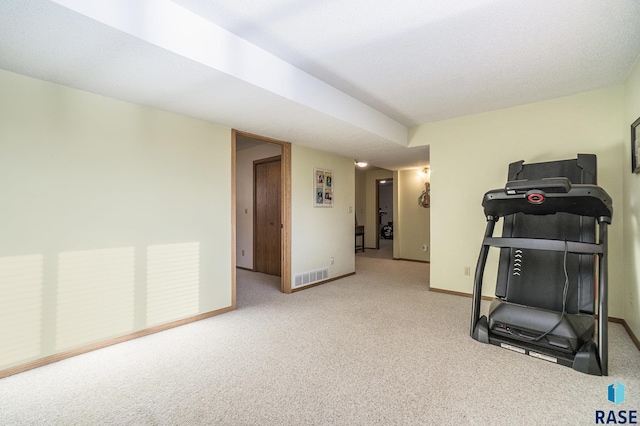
[{"x": 361, "y": 163}]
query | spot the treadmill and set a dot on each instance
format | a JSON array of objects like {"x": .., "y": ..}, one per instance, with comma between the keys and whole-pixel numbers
[{"x": 551, "y": 268}]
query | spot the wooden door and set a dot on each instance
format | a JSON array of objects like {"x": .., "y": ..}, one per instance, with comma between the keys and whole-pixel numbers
[{"x": 267, "y": 217}]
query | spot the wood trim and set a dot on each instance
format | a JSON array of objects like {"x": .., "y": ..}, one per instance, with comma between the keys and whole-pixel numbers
[
  {"x": 110, "y": 342},
  {"x": 267, "y": 160},
  {"x": 285, "y": 269},
  {"x": 234, "y": 212},
  {"x": 377, "y": 207},
  {"x": 633, "y": 337},
  {"x": 322, "y": 282},
  {"x": 411, "y": 260}
]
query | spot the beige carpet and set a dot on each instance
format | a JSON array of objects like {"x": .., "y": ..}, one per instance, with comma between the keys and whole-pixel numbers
[
  {"x": 384, "y": 252},
  {"x": 374, "y": 348}
]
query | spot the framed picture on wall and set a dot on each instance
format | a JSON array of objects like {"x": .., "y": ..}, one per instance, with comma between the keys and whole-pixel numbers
[
  {"x": 323, "y": 188},
  {"x": 635, "y": 147}
]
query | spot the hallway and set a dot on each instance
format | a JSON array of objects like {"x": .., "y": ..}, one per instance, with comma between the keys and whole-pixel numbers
[{"x": 385, "y": 251}]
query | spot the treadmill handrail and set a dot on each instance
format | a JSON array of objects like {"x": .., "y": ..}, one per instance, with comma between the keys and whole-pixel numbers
[
  {"x": 549, "y": 185},
  {"x": 542, "y": 244},
  {"x": 581, "y": 200}
]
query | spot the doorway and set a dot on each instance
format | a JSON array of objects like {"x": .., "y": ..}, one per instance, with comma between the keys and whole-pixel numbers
[
  {"x": 279, "y": 261},
  {"x": 385, "y": 216}
]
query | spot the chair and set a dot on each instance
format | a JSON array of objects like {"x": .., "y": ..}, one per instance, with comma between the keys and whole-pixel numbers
[{"x": 359, "y": 233}]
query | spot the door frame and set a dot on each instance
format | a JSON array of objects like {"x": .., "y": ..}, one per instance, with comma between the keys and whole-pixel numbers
[
  {"x": 285, "y": 212},
  {"x": 377, "y": 208}
]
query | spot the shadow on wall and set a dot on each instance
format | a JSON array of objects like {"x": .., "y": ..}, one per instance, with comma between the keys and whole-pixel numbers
[{"x": 93, "y": 298}]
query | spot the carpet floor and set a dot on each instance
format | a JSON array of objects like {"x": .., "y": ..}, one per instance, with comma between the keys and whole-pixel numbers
[
  {"x": 373, "y": 348},
  {"x": 384, "y": 252}
]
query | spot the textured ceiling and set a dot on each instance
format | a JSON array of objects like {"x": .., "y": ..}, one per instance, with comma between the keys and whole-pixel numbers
[
  {"x": 425, "y": 60},
  {"x": 414, "y": 62}
]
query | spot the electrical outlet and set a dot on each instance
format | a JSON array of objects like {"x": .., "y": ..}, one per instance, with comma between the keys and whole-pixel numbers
[
  {"x": 467, "y": 270},
  {"x": 332, "y": 260}
]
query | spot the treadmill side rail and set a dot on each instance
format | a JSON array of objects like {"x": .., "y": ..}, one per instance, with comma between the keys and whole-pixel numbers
[{"x": 477, "y": 283}]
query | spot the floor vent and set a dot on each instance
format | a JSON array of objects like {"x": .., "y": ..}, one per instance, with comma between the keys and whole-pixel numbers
[{"x": 307, "y": 278}]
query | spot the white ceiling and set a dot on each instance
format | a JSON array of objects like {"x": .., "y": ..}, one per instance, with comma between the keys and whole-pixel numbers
[{"x": 348, "y": 77}]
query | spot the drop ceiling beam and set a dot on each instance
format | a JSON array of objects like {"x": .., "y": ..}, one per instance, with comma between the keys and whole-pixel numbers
[{"x": 171, "y": 27}]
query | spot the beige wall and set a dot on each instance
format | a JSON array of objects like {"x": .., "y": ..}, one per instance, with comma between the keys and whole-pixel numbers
[
  {"x": 470, "y": 155},
  {"x": 412, "y": 227},
  {"x": 631, "y": 207},
  {"x": 106, "y": 208},
  {"x": 321, "y": 233},
  {"x": 244, "y": 199}
]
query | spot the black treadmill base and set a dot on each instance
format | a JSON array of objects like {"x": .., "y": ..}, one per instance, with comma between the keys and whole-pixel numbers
[
  {"x": 532, "y": 350},
  {"x": 584, "y": 361}
]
